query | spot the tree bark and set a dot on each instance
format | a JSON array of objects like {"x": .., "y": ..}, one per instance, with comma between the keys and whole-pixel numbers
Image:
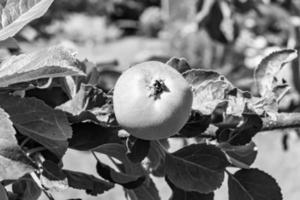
[{"x": 282, "y": 121}]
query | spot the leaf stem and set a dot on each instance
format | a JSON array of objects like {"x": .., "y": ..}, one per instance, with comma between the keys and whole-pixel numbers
[
  {"x": 24, "y": 142},
  {"x": 35, "y": 150}
]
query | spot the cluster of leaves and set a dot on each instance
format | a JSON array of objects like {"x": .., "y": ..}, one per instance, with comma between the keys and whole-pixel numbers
[{"x": 48, "y": 104}]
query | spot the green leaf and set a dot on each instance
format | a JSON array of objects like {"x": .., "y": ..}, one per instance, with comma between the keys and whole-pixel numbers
[
  {"x": 137, "y": 149},
  {"x": 180, "y": 64},
  {"x": 198, "y": 167},
  {"x": 209, "y": 94},
  {"x": 89, "y": 183},
  {"x": 15, "y": 14},
  {"x": 196, "y": 77},
  {"x": 13, "y": 161},
  {"x": 196, "y": 124},
  {"x": 26, "y": 188},
  {"x": 269, "y": 67},
  {"x": 87, "y": 136},
  {"x": 243, "y": 133},
  {"x": 253, "y": 184},
  {"x": 9, "y": 43},
  {"x": 38, "y": 121},
  {"x": 3, "y": 194},
  {"x": 53, "y": 177},
  {"x": 178, "y": 194},
  {"x": 90, "y": 104},
  {"x": 241, "y": 156},
  {"x": 126, "y": 180},
  {"x": 47, "y": 63},
  {"x": 147, "y": 191},
  {"x": 209, "y": 89},
  {"x": 118, "y": 151}
]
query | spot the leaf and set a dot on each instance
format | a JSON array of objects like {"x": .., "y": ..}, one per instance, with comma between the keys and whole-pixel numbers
[
  {"x": 47, "y": 63},
  {"x": 266, "y": 71},
  {"x": 118, "y": 151},
  {"x": 13, "y": 161},
  {"x": 127, "y": 181},
  {"x": 38, "y": 121},
  {"x": 180, "y": 64},
  {"x": 253, "y": 184},
  {"x": 147, "y": 191},
  {"x": 90, "y": 104},
  {"x": 137, "y": 149},
  {"x": 26, "y": 188},
  {"x": 87, "y": 136},
  {"x": 242, "y": 134},
  {"x": 209, "y": 89},
  {"x": 198, "y": 167},
  {"x": 241, "y": 156},
  {"x": 9, "y": 43},
  {"x": 196, "y": 124},
  {"x": 53, "y": 177},
  {"x": 89, "y": 183},
  {"x": 195, "y": 77},
  {"x": 208, "y": 96},
  {"x": 178, "y": 194},
  {"x": 156, "y": 157},
  {"x": 15, "y": 14},
  {"x": 3, "y": 194},
  {"x": 80, "y": 101}
]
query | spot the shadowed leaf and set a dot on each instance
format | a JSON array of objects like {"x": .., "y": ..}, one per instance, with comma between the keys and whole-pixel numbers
[
  {"x": 38, "y": 121},
  {"x": 179, "y": 194},
  {"x": 253, "y": 184},
  {"x": 198, "y": 167},
  {"x": 127, "y": 181},
  {"x": 137, "y": 149},
  {"x": 26, "y": 188},
  {"x": 241, "y": 156},
  {"x": 89, "y": 183}
]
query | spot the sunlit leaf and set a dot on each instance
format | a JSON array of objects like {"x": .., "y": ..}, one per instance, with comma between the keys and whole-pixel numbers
[
  {"x": 47, "y": 63},
  {"x": 15, "y": 14},
  {"x": 266, "y": 72},
  {"x": 13, "y": 162},
  {"x": 208, "y": 96}
]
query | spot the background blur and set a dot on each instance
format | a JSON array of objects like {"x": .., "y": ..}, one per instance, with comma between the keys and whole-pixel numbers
[{"x": 230, "y": 36}]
